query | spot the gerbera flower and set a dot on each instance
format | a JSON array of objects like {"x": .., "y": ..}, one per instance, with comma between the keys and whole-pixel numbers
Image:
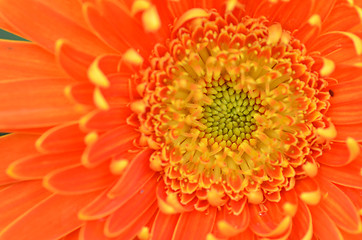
[{"x": 181, "y": 119}]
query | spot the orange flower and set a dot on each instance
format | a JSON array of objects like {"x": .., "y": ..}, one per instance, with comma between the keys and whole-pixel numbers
[{"x": 181, "y": 119}]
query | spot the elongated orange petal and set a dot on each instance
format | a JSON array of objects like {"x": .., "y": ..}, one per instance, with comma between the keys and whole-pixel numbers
[
  {"x": 138, "y": 172},
  {"x": 66, "y": 137},
  {"x": 246, "y": 235},
  {"x": 20, "y": 60},
  {"x": 343, "y": 17},
  {"x": 164, "y": 226},
  {"x": 72, "y": 60},
  {"x": 72, "y": 236},
  {"x": 339, "y": 207},
  {"x": 354, "y": 195},
  {"x": 18, "y": 198},
  {"x": 302, "y": 223},
  {"x": 195, "y": 225},
  {"x": 81, "y": 93},
  {"x": 308, "y": 191},
  {"x": 130, "y": 211},
  {"x": 323, "y": 226},
  {"x": 346, "y": 113},
  {"x": 116, "y": 141},
  {"x": 347, "y": 91},
  {"x": 35, "y": 103},
  {"x": 340, "y": 154},
  {"x": 37, "y": 166},
  {"x": 34, "y": 26},
  {"x": 13, "y": 147},
  {"x": 346, "y": 73},
  {"x": 349, "y": 176},
  {"x": 268, "y": 220},
  {"x": 348, "y": 130},
  {"x": 103, "y": 205},
  {"x": 230, "y": 225},
  {"x": 105, "y": 120},
  {"x": 102, "y": 28},
  {"x": 58, "y": 223},
  {"x": 78, "y": 179},
  {"x": 93, "y": 230},
  {"x": 135, "y": 228}
]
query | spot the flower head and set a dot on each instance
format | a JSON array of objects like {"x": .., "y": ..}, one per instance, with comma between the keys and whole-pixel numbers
[{"x": 181, "y": 119}]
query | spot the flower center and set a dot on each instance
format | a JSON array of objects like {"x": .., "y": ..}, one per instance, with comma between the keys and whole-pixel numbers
[{"x": 231, "y": 109}]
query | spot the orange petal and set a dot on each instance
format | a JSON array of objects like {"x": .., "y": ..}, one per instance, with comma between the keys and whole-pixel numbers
[
  {"x": 268, "y": 221},
  {"x": 343, "y": 17},
  {"x": 100, "y": 25},
  {"x": 67, "y": 137},
  {"x": 346, "y": 113},
  {"x": 35, "y": 103},
  {"x": 323, "y": 226},
  {"x": 77, "y": 179},
  {"x": 289, "y": 14},
  {"x": 346, "y": 73},
  {"x": 246, "y": 235},
  {"x": 130, "y": 30},
  {"x": 349, "y": 130},
  {"x": 345, "y": 92},
  {"x": 127, "y": 214},
  {"x": 35, "y": 26},
  {"x": 114, "y": 142},
  {"x": 349, "y": 176},
  {"x": 13, "y": 147},
  {"x": 302, "y": 223},
  {"x": 138, "y": 172},
  {"x": 39, "y": 165},
  {"x": 72, "y": 60},
  {"x": 198, "y": 224},
  {"x": 178, "y": 8},
  {"x": 81, "y": 93},
  {"x": 18, "y": 198},
  {"x": 103, "y": 205},
  {"x": 339, "y": 208},
  {"x": 289, "y": 202},
  {"x": 26, "y": 60},
  {"x": 93, "y": 230},
  {"x": 341, "y": 153},
  {"x": 230, "y": 225},
  {"x": 135, "y": 228},
  {"x": 105, "y": 120},
  {"x": 58, "y": 223},
  {"x": 354, "y": 195},
  {"x": 308, "y": 191},
  {"x": 164, "y": 226},
  {"x": 72, "y": 236}
]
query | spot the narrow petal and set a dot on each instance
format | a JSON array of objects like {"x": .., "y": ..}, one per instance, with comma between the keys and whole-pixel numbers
[
  {"x": 346, "y": 92},
  {"x": 349, "y": 176},
  {"x": 114, "y": 142},
  {"x": 198, "y": 224},
  {"x": 302, "y": 223},
  {"x": 129, "y": 212},
  {"x": 35, "y": 103},
  {"x": 355, "y": 195},
  {"x": 323, "y": 226},
  {"x": 72, "y": 60},
  {"x": 339, "y": 208},
  {"x": 346, "y": 113},
  {"x": 246, "y": 235},
  {"x": 45, "y": 222},
  {"x": 351, "y": 130},
  {"x": 268, "y": 220},
  {"x": 103, "y": 205},
  {"x": 93, "y": 230},
  {"x": 138, "y": 172},
  {"x": 346, "y": 73},
  {"x": 12, "y": 203},
  {"x": 105, "y": 120},
  {"x": 341, "y": 153},
  {"x": 20, "y": 60},
  {"x": 66, "y": 137},
  {"x": 164, "y": 226},
  {"x": 13, "y": 147},
  {"x": 72, "y": 236},
  {"x": 308, "y": 191},
  {"x": 343, "y": 17},
  {"x": 81, "y": 93},
  {"x": 61, "y": 25},
  {"x": 78, "y": 179},
  {"x": 230, "y": 225},
  {"x": 135, "y": 228},
  {"x": 39, "y": 165}
]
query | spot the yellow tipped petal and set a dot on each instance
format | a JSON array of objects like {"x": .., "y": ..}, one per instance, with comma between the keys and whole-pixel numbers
[
  {"x": 144, "y": 234},
  {"x": 96, "y": 76},
  {"x": 275, "y": 33},
  {"x": 99, "y": 100},
  {"x": 132, "y": 57},
  {"x": 315, "y": 20},
  {"x": 151, "y": 20},
  {"x": 328, "y": 67},
  {"x": 354, "y": 149},
  {"x": 90, "y": 138},
  {"x": 311, "y": 198},
  {"x": 255, "y": 197},
  {"x": 117, "y": 167},
  {"x": 327, "y": 133},
  {"x": 310, "y": 169}
]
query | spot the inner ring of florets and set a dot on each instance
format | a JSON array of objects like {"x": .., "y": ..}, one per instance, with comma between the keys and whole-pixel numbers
[{"x": 231, "y": 111}]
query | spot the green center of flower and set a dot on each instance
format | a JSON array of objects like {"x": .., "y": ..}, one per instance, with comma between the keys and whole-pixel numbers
[{"x": 230, "y": 117}]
